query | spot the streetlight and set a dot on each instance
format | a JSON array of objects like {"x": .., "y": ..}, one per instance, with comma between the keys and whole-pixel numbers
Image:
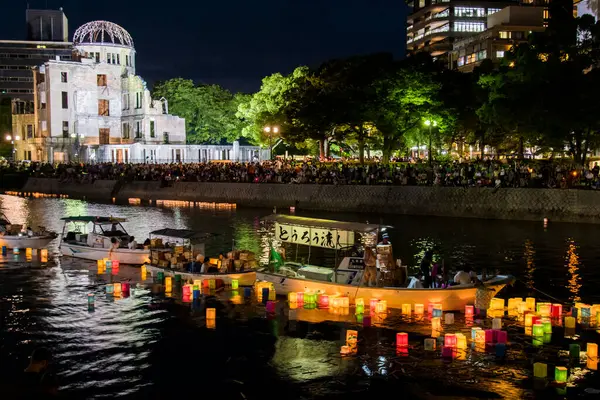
[
  {"x": 270, "y": 129},
  {"x": 430, "y": 123},
  {"x": 9, "y": 138}
]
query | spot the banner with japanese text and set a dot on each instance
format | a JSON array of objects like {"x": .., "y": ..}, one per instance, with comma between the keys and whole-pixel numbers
[{"x": 319, "y": 237}]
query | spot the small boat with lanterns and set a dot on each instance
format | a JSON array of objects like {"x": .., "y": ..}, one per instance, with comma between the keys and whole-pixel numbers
[
  {"x": 177, "y": 252},
  {"x": 346, "y": 278},
  {"x": 14, "y": 237},
  {"x": 90, "y": 238}
]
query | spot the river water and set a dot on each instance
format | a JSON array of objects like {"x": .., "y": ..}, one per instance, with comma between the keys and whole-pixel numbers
[{"x": 152, "y": 346}]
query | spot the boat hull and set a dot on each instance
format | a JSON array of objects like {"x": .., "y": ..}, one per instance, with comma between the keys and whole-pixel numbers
[
  {"x": 24, "y": 242},
  {"x": 125, "y": 256},
  {"x": 244, "y": 278},
  {"x": 452, "y": 299}
]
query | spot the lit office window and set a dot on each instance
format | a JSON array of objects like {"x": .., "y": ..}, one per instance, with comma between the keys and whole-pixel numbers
[
  {"x": 469, "y": 12},
  {"x": 499, "y": 53},
  {"x": 462, "y": 26},
  {"x": 493, "y": 10}
]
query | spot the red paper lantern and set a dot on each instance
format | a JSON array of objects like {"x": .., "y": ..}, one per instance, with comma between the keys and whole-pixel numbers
[
  {"x": 501, "y": 337},
  {"x": 489, "y": 336},
  {"x": 401, "y": 339},
  {"x": 469, "y": 311},
  {"x": 556, "y": 310},
  {"x": 300, "y": 297},
  {"x": 450, "y": 340},
  {"x": 323, "y": 301}
]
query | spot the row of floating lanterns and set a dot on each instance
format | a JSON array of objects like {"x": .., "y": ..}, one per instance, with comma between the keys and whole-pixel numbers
[
  {"x": 29, "y": 253},
  {"x": 37, "y": 195}
]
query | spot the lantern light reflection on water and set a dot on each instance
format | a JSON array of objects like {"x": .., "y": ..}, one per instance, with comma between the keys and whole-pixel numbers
[{"x": 211, "y": 313}]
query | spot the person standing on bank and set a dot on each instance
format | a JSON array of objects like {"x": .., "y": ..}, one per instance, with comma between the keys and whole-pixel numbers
[
  {"x": 426, "y": 268},
  {"x": 370, "y": 274}
]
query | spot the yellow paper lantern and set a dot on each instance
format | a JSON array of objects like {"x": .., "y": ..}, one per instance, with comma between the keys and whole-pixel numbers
[
  {"x": 44, "y": 255},
  {"x": 570, "y": 322},
  {"x": 513, "y": 303},
  {"x": 480, "y": 337},
  {"x": 211, "y": 313},
  {"x": 117, "y": 289},
  {"x": 381, "y": 307},
  {"x": 419, "y": 309},
  {"x": 406, "y": 309},
  {"x": 345, "y": 350},
  {"x": 461, "y": 341},
  {"x": 344, "y": 302},
  {"x": 529, "y": 319},
  {"x": 540, "y": 370},
  {"x": 436, "y": 324},
  {"x": 521, "y": 307},
  {"x": 592, "y": 352},
  {"x": 272, "y": 295},
  {"x": 530, "y": 302},
  {"x": 544, "y": 310},
  {"x": 497, "y": 304}
]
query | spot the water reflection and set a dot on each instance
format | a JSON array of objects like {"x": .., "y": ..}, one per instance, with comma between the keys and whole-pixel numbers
[
  {"x": 572, "y": 261},
  {"x": 530, "y": 263}
]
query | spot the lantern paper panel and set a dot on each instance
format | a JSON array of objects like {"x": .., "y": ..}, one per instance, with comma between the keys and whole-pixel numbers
[
  {"x": 538, "y": 330},
  {"x": 540, "y": 370},
  {"x": 560, "y": 374},
  {"x": 401, "y": 339},
  {"x": 592, "y": 352},
  {"x": 469, "y": 311},
  {"x": 419, "y": 309},
  {"x": 211, "y": 313}
]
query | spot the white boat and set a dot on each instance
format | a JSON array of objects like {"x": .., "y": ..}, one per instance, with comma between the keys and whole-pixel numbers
[
  {"x": 187, "y": 242},
  {"x": 79, "y": 241},
  {"x": 247, "y": 278},
  {"x": 347, "y": 278},
  {"x": 16, "y": 239}
]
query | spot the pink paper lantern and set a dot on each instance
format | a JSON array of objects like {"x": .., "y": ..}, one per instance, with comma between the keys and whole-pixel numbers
[
  {"x": 115, "y": 264},
  {"x": 448, "y": 352},
  {"x": 450, "y": 340},
  {"x": 187, "y": 291},
  {"x": 300, "y": 297},
  {"x": 501, "y": 337},
  {"x": 125, "y": 287},
  {"x": 323, "y": 301},
  {"x": 373, "y": 304},
  {"x": 489, "y": 336},
  {"x": 469, "y": 311},
  {"x": 270, "y": 307}
]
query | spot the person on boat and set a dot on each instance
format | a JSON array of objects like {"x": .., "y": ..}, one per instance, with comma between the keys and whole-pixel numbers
[
  {"x": 426, "y": 268},
  {"x": 147, "y": 244},
  {"x": 132, "y": 243},
  {"x": 465, "y": 276},
  {"x": 387, "y": 264},
  {"x": 29, "y": 232},
  {"x": 370, "y": 274}
]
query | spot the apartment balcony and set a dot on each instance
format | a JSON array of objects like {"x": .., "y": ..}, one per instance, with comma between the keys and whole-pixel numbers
[
  {"x": 436, "y": 34},
  {"x": 436, "y": 6}
]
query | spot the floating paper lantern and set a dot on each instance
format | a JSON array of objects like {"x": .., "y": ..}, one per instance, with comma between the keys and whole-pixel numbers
[
  {"x": 592, "y": 365},
  {"x": 592, "y": 352},
  {"x": 436, "y": 324},
  {"x": 28, "y": 252},
  {"x": 351, "y": 337},
  {"x": 461, "y": 341},
  {"x": 211, "y": 313},
  {"x": 556, "y": 310},
  {"x": 419, "y": 309},
  {"x": 429, "y": 344},
  {"x": 574, "y": 351},
  {"x": 474, "y": 332},
  {"x": 469, "y": 311},
  {"x": 406, "y": 309},
  {"x": 449, "y": 318},
  {"x": 570, "y": 322},
  {"x": 117, "y": 289},
  {"x": 530, "y": 302},
  {"x": 521, "y": 307},
  {"x": 373, "y": 304},
  {"x": 187, "y": 290},
  {"x": 300, "y": 297},
  {"x": 560, "y": 374},
  {"x": 293, "y": 297},
  {"x": 448, "y": 352},
  {"x": 16, "y": 250},
  {"x": 270, "y": 307},
  {"x": 196, "y": 294},
  {"x": 235, "y": 284},
  {"x": 538, "y": 330},
  {"x": 437, "y": 312},
  {"x": 501, "y": 336},
  {"x": 480, "y": 336},
  {"x": 44, "y": 255},
  {"x": 345, "y": 350},
  {"x": 345, "y": 302},
  {"x": 359, "y": 310},
  {"x": 547, "y": 324},
  {"x": 497, "y": 323},
  {"x": 212, "y": 284},
  {"x": 450, "y": 340},
  {"x": 489, "y": 336},
  {"x": 540, "y": 370},
  {"x": 513, "y": 304},
  {"x": 92, "y": 299},
  {"x": 497, "y": 304},
  {"x": 536, "y": 320},
  {"x": 323, "y": 301},
  {"x": 381, "y": 307},
  {"x": 168, "y": 283},
  {"x": 545, "y": 310},
  {"x": 211, "y": 323},
  {"x": 336, "y": 302},
  {"x": 125, "y": 288},
  {"x": 115, "y": 264},
  {"x": 401, "y": 339}
]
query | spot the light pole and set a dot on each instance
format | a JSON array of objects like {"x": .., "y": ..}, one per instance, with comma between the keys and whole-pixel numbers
[
  {"x": 430, "y": 123},
  {"x": 270, "y": 129},
  {"x": 10, "y": 139}
]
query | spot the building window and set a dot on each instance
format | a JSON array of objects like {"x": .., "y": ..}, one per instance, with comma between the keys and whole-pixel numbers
[
  {"x": 126, "y": 130},
  {"x": 442, "y": 14},
  {"x": 152, "y": 129},
  {"x": 118, "y": 59},
  {"x": 104, "y": 136},
  {"x": 103, "y": 108},
  {"x": 546, "y": 13},
  {"x": 63, "y": 77},
  {"x": 471, "y": 58},
  {"x": 138, "y": 129},
  {"x": 29, "y": 131},
  {"x": 127, "y": 60},
  {"x": 166, "y": 138},
  {"x": 504, "y": 34},
  {"x": 138, "y": 100},
  {"x": 481, "y": 55},
  {"x": 65, "y": 100},
  {"x": 462, "y": 26},
  {"x": 493, "y": 10},
  {"x": 421, "y": 3},
  {"x": 499, "y": 53},
  {"x": 125, "y": 101},
  {"x": 44, "y": 125},
  {"x": 101, "y": 78},
  {"x": 469, "y": 12},
  {"x": 97, "y": 56},
  {"x": 65, "y": 129}
]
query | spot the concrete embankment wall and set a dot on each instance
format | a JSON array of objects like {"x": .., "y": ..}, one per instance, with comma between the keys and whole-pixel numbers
[{"x": 506, "y": 203}]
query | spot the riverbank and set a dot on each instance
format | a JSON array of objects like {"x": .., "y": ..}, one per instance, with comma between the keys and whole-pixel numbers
[{"x": 565, "y": 205}]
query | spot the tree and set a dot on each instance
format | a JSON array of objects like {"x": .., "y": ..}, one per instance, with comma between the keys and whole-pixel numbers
[{"x": 209, "y": 110}]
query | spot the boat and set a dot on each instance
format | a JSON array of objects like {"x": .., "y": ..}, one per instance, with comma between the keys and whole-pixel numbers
[
  {"x": 347, "y": 278},
  {"x": 78, "y": 240},
  {"x": 14, "y": 238},
  {"x": 174, "y": 251}
]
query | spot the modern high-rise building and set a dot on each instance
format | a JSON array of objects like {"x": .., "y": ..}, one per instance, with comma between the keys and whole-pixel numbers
[
  {"x": 47, "y": 25},
  {"x": 434, "y": 25}
]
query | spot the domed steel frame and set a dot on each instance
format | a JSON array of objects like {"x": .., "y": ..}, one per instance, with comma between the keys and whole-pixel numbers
[{"x": 102, "y": 32}]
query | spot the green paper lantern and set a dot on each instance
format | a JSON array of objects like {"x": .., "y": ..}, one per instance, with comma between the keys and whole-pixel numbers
[{"x": 560, "y": 374}]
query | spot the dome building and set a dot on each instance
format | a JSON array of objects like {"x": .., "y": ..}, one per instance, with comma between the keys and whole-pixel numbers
[{"x": 94, "y": 108}]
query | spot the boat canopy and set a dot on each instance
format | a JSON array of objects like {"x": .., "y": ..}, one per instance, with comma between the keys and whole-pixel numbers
[
  {"x": 95, "y": 220},
  {"x": 324, "y": 223},
  {"x": 186, "y": 234}
]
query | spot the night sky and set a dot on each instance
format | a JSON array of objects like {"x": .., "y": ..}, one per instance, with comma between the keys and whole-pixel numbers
[{"x": 234, "y": 43}]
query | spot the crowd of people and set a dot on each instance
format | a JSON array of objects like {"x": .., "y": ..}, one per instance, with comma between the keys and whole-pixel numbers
[{"x": 479, "y": 173}]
